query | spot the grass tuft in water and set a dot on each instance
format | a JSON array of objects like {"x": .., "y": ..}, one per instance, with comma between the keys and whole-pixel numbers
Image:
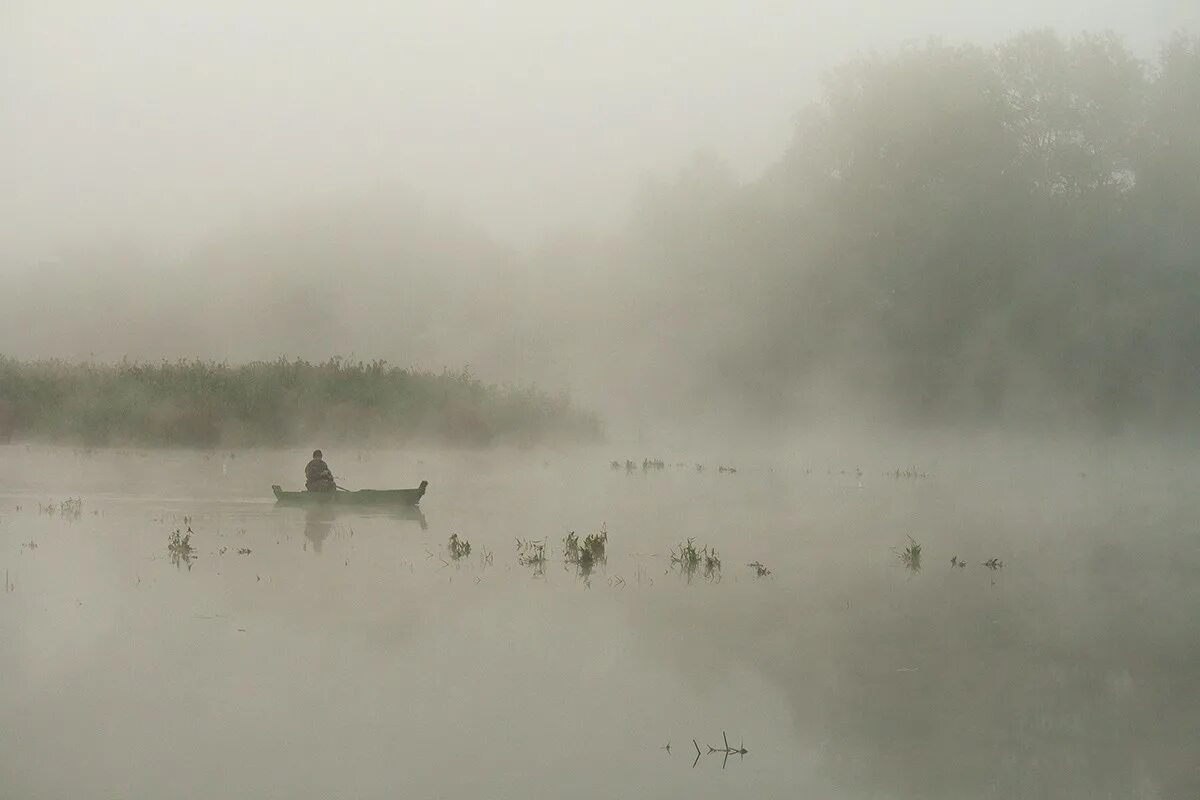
[
  {"x": 690, "y": 560},
  {"x": 910, "y": 556},
  {"x": 686, "y": 557},
  {"x": 571, "y": 548},
  {"x": 712, "y": 564},
  {"x": 909, "y": 473},
  {"x": 459, "y": 548},
  {"x": 760, "y": 569},
  {"x": 595, "y": 546},
  {"x": 70, "y": 509},
  {"x": 532, "y": 554},
  {"x": 592, "y": 552},
  {"x": 179, "y": 546}
]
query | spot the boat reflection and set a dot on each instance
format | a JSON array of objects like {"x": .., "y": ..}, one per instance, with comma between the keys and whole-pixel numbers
[
  {"x": 409, "y": 513},
  {"x": 319, "y": 520}
]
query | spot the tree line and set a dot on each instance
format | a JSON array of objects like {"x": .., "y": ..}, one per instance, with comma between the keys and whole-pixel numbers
[{"x": 958, "y": 232}]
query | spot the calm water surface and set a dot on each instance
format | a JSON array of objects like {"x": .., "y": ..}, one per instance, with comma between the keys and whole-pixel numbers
[{"x": 345, "y": 655}]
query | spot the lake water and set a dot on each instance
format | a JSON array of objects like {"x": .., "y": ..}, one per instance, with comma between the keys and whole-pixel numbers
[{"x": 346, "y": 655}]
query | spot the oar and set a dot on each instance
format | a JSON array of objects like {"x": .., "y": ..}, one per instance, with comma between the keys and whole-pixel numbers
[{"x": 340, "y": 488}]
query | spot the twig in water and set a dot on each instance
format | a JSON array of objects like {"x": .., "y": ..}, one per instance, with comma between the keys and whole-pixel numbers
[{"x": 740, "y": 750}]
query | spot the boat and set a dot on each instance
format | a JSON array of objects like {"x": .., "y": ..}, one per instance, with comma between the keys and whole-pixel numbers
[{"x": 395, "y": 497}]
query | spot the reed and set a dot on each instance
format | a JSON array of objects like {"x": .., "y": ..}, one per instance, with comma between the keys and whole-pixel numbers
[{"x": 207, "y": 404}]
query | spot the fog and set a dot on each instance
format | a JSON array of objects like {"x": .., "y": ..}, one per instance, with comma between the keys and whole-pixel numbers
[
  {"x": 801, "y": 397},
  {"x": 165, "y": 125},
  {"x": 579, "y": 199}
]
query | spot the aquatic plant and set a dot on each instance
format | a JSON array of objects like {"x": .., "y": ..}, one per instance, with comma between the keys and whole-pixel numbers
[
  {"x": 910, "y": 556},
  {"x": 691, "y": 560},
  {"x": 532, "y": 554},
  {"x": 595, "y": 545},
  {"x": 70, "y": 509},
  {"x": 909, "y": 473},
  {"x": 687, "y": 557},
  {"x": 180, "y": 543},
  {"x": 994, "y": 564},
  {"x": 592, "y": 552},
  {"x": 712, "y": 564},
  {"x": 179, "y": 546},
  {"x": 459, "y": 548},
  {"x": 571, "y": 548},
  {"x": 760, "y": 571},
  {"x": 588, "y": 553}
]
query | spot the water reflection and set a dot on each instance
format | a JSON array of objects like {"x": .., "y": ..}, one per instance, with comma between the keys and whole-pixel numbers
[
  {"x": 1065, "y": 670},
  {"x": 956, "y": 686},
  {"x": 319, "y": 521},
  {"x": 411, "y": 514}
]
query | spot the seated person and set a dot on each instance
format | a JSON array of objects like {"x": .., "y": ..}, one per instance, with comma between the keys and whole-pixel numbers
[{"x": 317, "y": 477}]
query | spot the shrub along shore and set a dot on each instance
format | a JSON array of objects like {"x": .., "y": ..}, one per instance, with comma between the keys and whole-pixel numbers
[{"x": 282, "y": 402}]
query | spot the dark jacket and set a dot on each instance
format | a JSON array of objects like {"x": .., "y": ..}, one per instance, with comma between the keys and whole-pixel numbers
[{"x": 317, "y": 472}]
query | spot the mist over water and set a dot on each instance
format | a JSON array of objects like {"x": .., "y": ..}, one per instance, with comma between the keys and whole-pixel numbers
[
  {"x": 806, "y": 395},
  {"x": 345, "y": 653}
]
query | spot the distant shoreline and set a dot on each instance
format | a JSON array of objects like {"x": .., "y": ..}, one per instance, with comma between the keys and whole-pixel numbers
[{"x": 284, "y": 402}]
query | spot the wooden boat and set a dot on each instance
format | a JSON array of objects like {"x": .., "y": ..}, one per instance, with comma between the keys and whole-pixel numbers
[{"x": 396, "y": 497}]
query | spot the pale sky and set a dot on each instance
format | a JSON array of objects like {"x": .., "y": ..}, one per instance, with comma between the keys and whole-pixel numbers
[{"x": 165, "y": 122}]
